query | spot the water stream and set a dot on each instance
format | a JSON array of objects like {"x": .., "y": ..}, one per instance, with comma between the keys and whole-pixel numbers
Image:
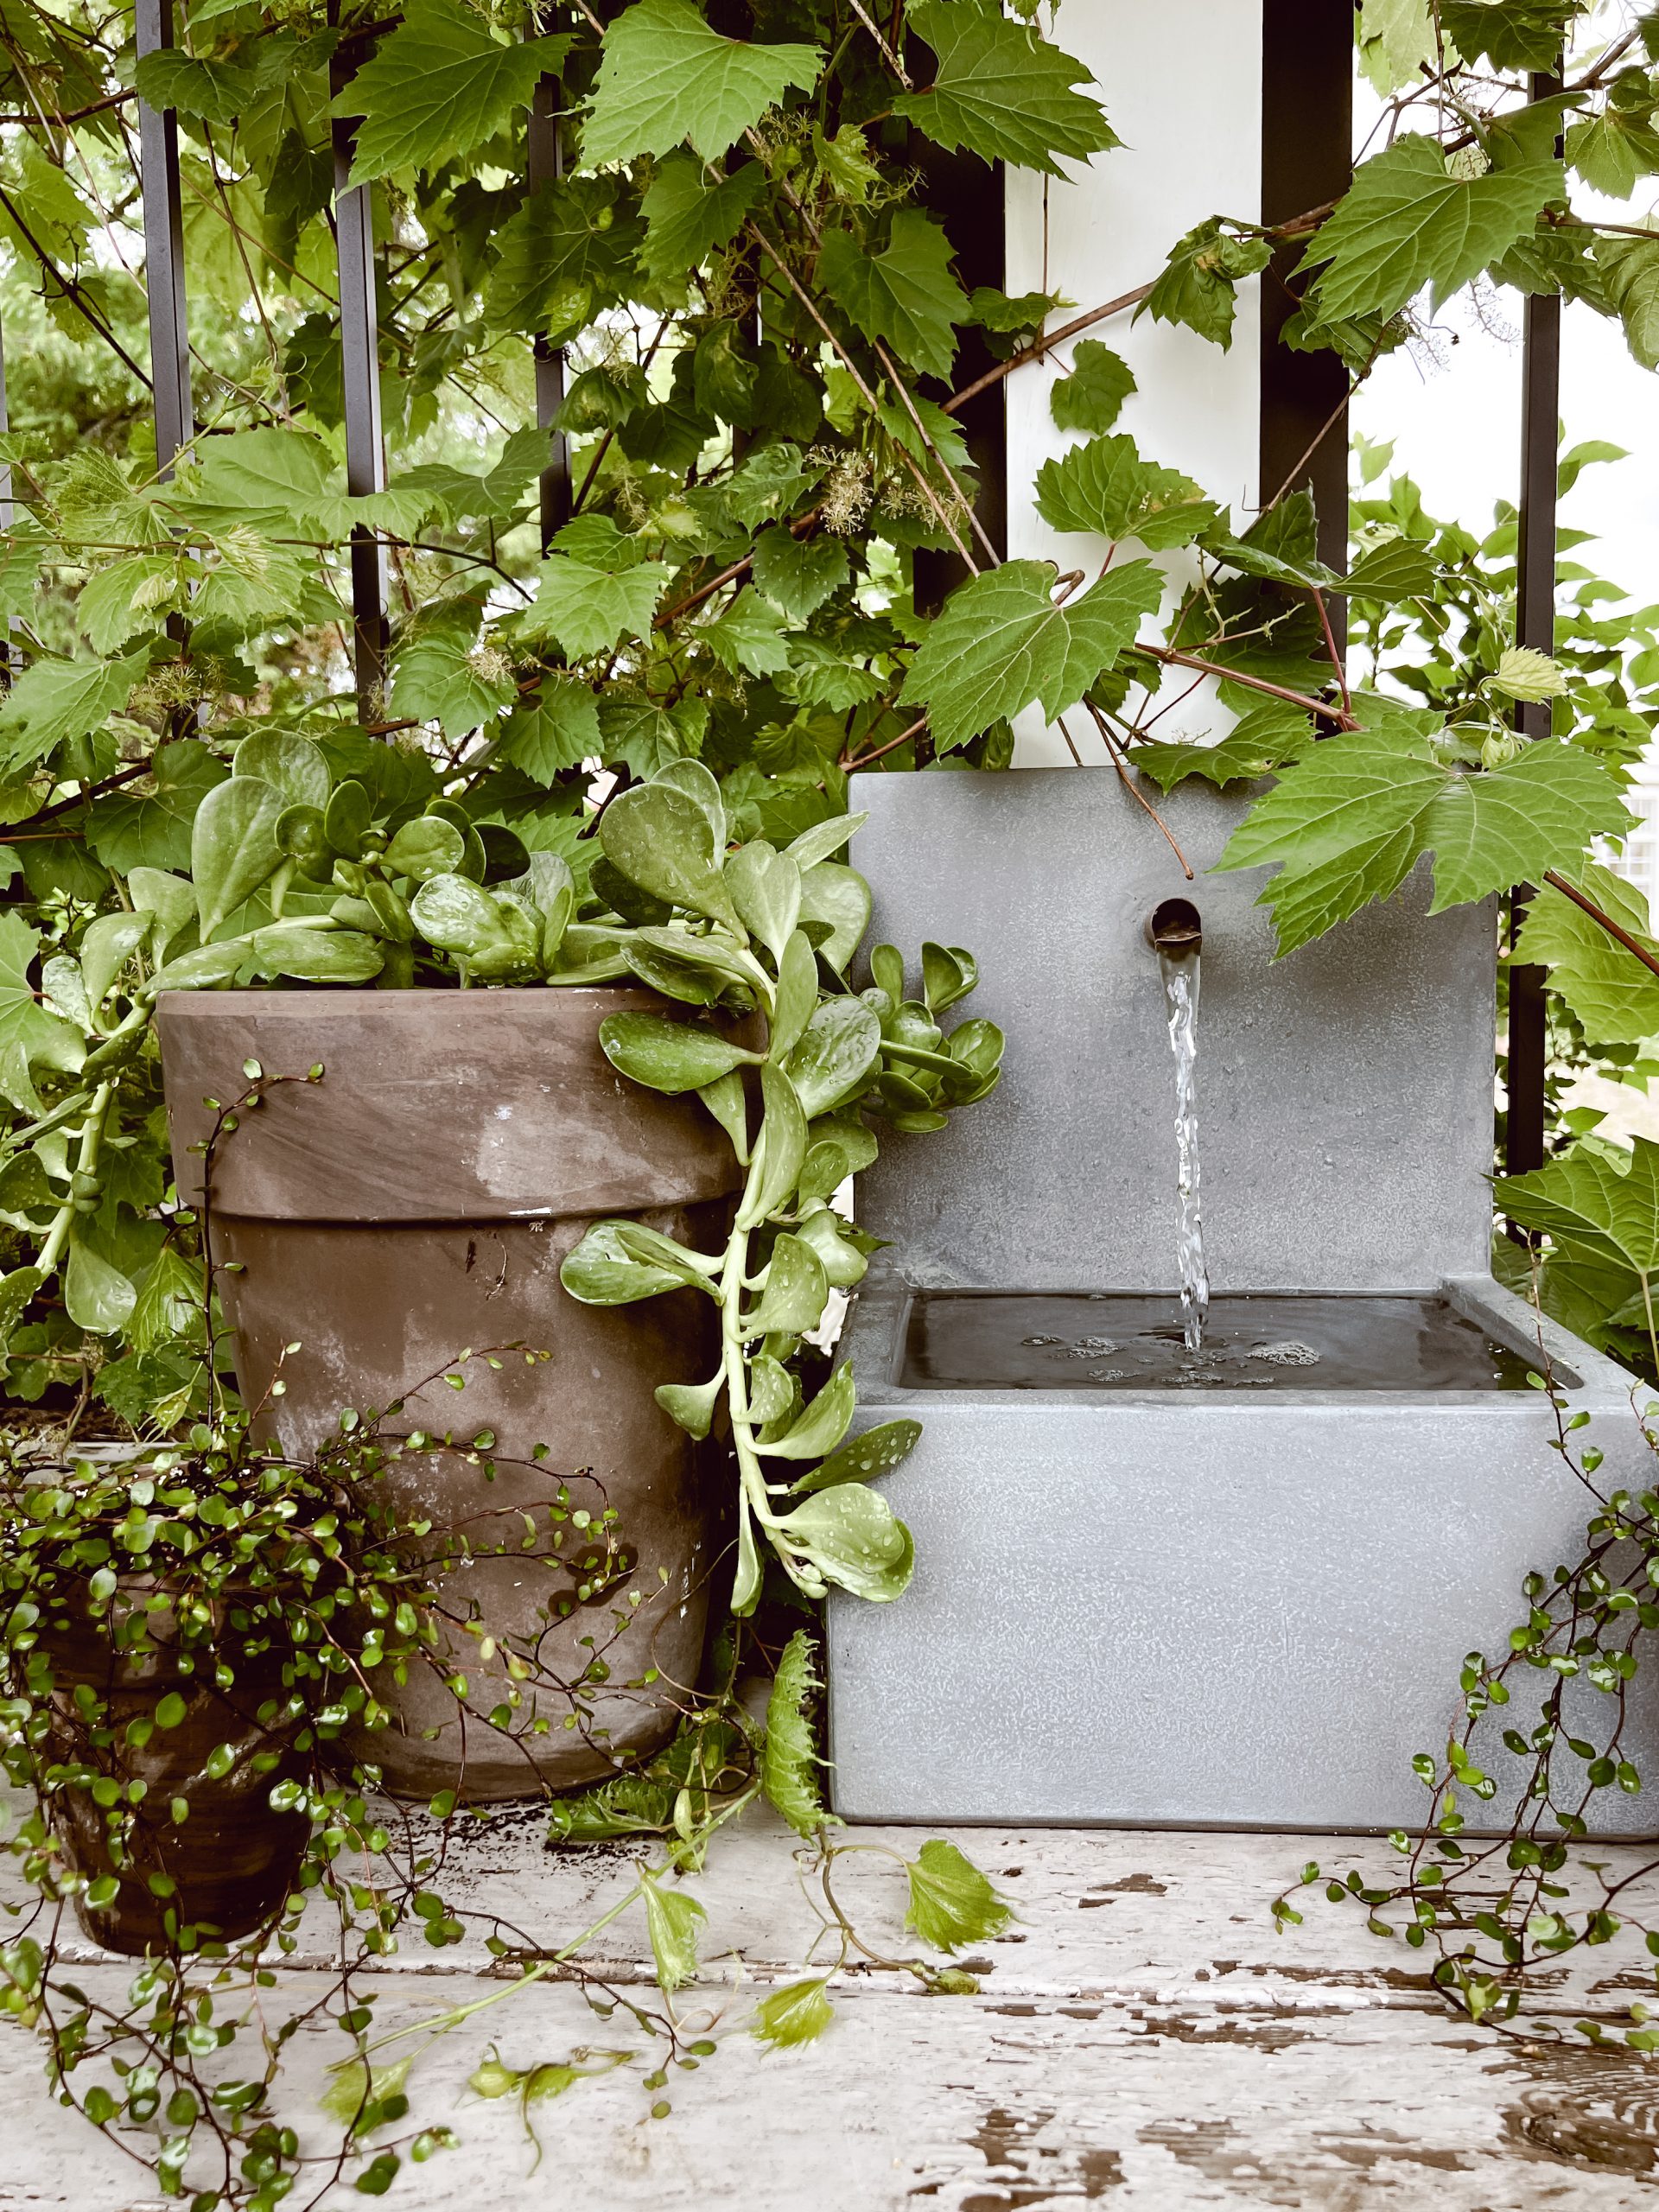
[{"x": 1180, "y": 974}]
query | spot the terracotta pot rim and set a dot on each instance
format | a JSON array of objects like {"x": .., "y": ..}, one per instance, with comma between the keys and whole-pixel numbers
[{"x": 362, "y": 997}]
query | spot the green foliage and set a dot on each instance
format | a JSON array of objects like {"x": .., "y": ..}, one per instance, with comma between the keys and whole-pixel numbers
[
  {"x": 1410, "y": 222},
  {"x": 441, "y": 85},
  {"x": 1001, "y": 92},
  {"x": 1003, "y": 643},
  {"x": 667, "y": 78}
]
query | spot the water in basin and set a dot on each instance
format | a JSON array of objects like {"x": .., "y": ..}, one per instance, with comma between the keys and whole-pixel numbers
[{"x": 1110, "y": 1340}]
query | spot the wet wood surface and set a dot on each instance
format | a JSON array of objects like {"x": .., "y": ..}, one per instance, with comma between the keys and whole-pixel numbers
[{"x": 1143, "y": 2039}]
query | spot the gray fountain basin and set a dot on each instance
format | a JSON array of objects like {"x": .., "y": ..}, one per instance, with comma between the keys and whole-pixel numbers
[{"x": 1166, "y": 1605}]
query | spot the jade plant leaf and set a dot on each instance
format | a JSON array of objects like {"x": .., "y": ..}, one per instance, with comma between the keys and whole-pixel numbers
[
  {"x": 797, "y": 995},
  {"x": 662, "y": 839},
  {"x": 427, "y": 846},
  {"x": 824, "y": 1423},
  {"x": 783, "y": 1148},
  {"x": 317, "y": 956},
  {"x": 766, "y": 887},
  {"x": 850, "y": 1535},
  {"x": 838, "y": 1148},
  {"x": 843, "y": 1262},
  {"x": 96, "y": 1295},
  {"x": 670, "y": 1056},
  {"x": 617, "y": 1262},
  {"x": 873, "y": 1452},
  {"x": 494, "y": 936},
  {"x": 835, "y": 911},
  {"x": 835, "y": 1055},
  {"x": 233, "y": 847},
  {"x": 796, "y": 1295},
  {"x": 290, "y": 765}
]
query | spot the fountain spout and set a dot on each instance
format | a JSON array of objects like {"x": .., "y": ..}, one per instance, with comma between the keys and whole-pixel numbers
[{"x": 1174, "y": 930}]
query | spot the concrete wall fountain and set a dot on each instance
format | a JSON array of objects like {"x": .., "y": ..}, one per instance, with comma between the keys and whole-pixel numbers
[{"x": 1224, "y": 1583}]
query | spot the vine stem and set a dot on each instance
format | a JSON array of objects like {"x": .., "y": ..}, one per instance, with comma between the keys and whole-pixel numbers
[{"x": 1621, "y": 936}]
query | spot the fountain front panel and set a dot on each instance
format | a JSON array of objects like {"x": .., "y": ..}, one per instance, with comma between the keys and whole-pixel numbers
[{"x": 1231, "y": 1586}]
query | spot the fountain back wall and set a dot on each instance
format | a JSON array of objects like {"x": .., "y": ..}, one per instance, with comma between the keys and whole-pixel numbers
[{"x": 1345, "y": 1092}]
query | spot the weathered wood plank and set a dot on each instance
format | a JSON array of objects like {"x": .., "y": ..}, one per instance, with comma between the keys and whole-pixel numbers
[{"x": 1144, "y": 2039}]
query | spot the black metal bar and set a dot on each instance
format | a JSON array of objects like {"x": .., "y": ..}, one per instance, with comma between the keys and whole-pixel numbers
[
  {"x": 967, "y": 196},
  {"x": 366, "y": 453},
  {"x": 545, "y": 152},
  {"x": 1525, "y": 1121},
  {"x": 170, "y": 331},
  {"x": 1307, "y": 112}
]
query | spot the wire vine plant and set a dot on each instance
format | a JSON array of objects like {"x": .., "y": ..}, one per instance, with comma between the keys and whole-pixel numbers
[
  {"x": 197, "y": 1639},
  {"x": 1498, "y": 1912}
]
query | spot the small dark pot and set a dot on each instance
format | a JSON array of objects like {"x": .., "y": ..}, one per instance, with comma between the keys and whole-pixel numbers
[
  {"x": 417, "y": 1202},
  {"x": 234, "y": 1860}
]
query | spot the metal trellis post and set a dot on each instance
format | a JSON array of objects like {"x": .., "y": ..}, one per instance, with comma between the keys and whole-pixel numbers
[
  {"x": 545, "y": 152},
  {"x": 169, "y": 333},
  {"x": 1535, "y": 626},
  {"x": 1307, "y": 107},
  {"x": 366, "y": 457}
]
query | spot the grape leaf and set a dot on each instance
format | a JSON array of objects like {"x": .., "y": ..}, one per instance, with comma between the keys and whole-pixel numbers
[
  {"x": 796, "y": 2014},
  {"x": 1511, "y": 35},
  {"x": 1105, "y": 487},
  {"x": 595, "y": 589},
  {"x": 1001, "y": 91},
  {"x": 438, "y": 86},
  {"x": 952, "y": 1903},
  {"x": 1514, "y": 821},
  {"x": 152, "y": 828},
  {"x": 1091, "y": 397},
  {"x": 905, "y": 294},
  {"x": 1198, "y": 283},
  {"x": 749, "y": 635},
  {"x": 1407, "y": 222},
  {"x": 1612, "y": 993},
  {"x": 567, "y": 254},
  {"x": 1586, "y": 1202},
  {"x": 1630, "y": 267},
  {"x": 55, "y": 699},
  {"x": 1351, "y": 820},
  {"x": 442, "y": 677},
  {"x": 667, "y": 77},
  {"x": 1001, "y": 645},
  {"x": 798, "y": 573},
  {"x": 559, "y": 729},
  {"x": 1266, "y": 738},
  {"x": 688, "y": 214}
]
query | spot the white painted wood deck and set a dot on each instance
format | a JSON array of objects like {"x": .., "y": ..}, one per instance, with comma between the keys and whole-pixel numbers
[{"x": 1144, "y": 2041}]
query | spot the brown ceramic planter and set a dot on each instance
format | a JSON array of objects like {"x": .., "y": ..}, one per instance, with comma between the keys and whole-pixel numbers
[
  {"x": 234, "y": 1860},
  {"x": 417, "y": 1203}
]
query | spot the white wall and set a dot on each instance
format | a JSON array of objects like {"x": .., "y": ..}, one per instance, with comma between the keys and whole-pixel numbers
[{"x": 1181, "y": 84}]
